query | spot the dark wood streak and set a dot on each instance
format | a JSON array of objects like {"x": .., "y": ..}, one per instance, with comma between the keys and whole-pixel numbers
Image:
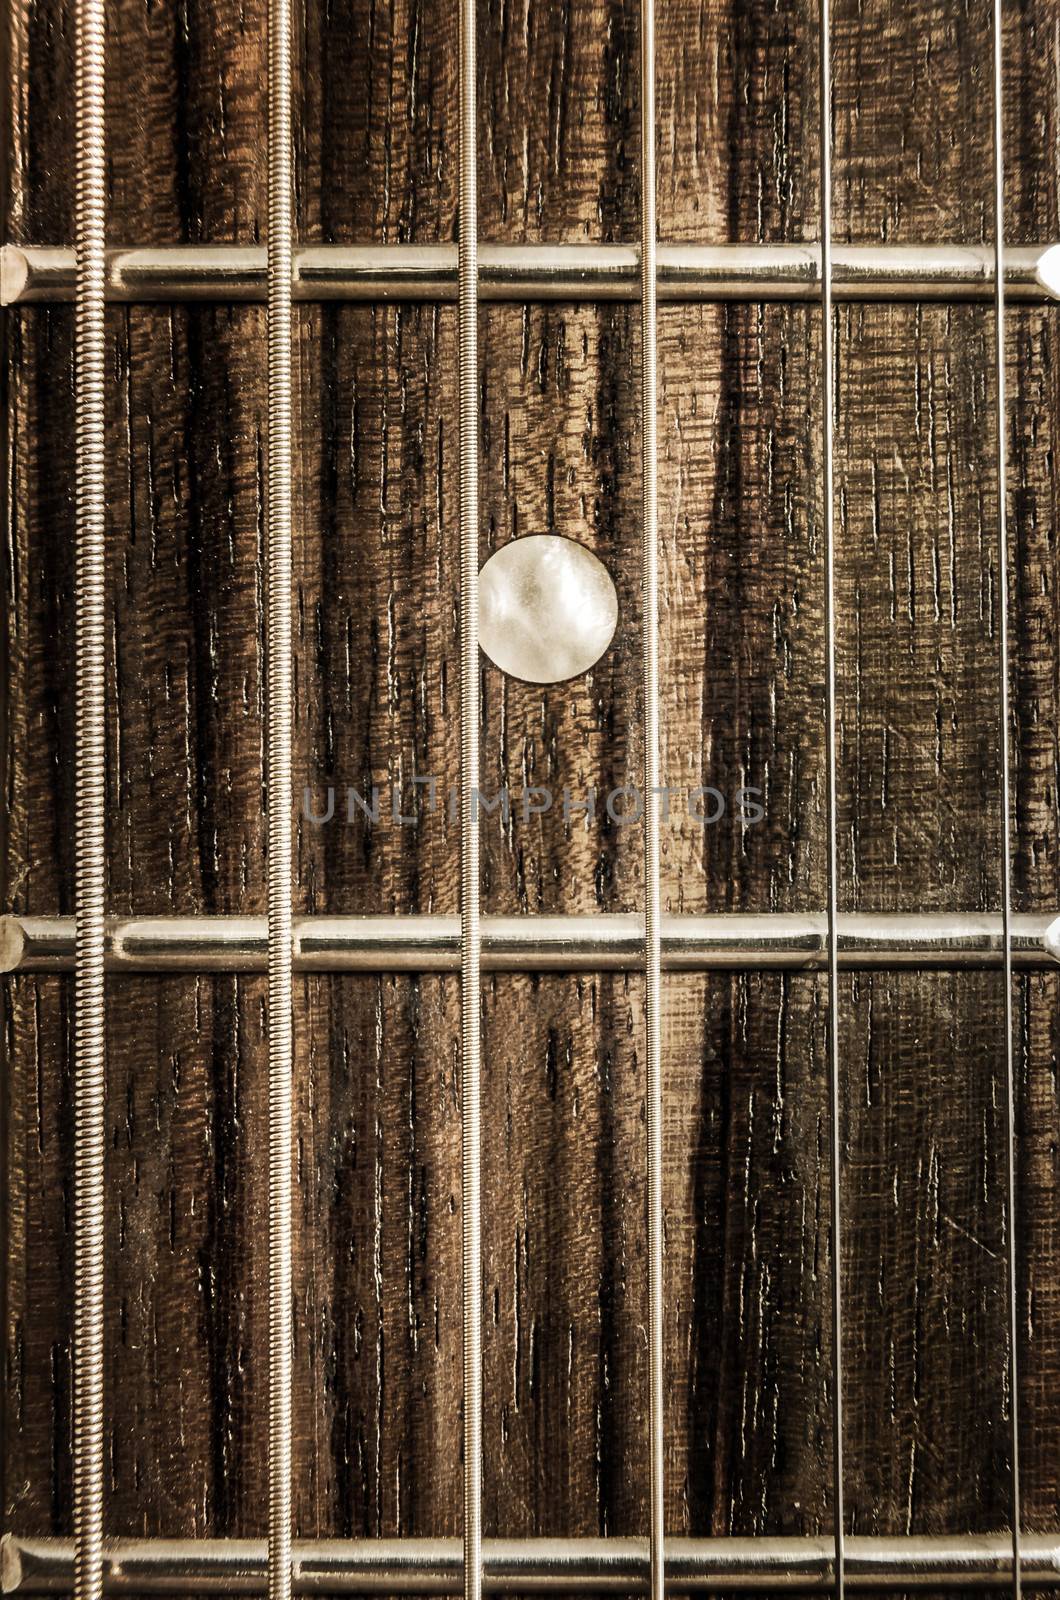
[{"x": 376, "y": 615}]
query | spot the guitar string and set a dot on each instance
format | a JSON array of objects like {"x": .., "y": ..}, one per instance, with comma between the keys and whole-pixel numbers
[
  {"x": 1005, "y": 781},
  {"x": 90, "y": 786},
  {"x": 652, "y": 801},
  {"x": 278, "y": 784},
  {"x": 470, "y": 927},
  {"x": 831, "y": 800}
]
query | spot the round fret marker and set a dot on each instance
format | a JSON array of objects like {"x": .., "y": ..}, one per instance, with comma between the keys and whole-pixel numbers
[{"x": 547, "y": 608}]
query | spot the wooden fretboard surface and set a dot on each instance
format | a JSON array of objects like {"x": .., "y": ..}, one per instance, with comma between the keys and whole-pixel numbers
[{"x": 377, "y": 1358}]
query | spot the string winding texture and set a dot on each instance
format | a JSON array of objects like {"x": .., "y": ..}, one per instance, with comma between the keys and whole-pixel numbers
[
  {"x": 278, "y": 779},
  {"x": 90, "y": 788}
]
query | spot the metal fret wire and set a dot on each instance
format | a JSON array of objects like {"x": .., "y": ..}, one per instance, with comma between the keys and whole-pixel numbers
[
  {"x": 90, "y": 783},
  {"x": 611, "y": 942},
  {"x": 774, "y": 1566},
  {"x": 828, "y": 433},
  {"x": 588, "y": 274},
  {"x": 278, "y": 779},
  {"x": 470, "y": 927},
  {"x": 652, "y": 799},
  {"x": 1005, "y": 785}
]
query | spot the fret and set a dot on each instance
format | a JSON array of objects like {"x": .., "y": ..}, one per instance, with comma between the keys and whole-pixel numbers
[
  {"x": 729, "y": 942},
  {"x": 90, "y": 851},
  {"x": 587, "y": 273},
  {"x": 963, "y": 1563}
]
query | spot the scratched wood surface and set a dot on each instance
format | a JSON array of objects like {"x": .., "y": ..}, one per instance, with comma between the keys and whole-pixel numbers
[{"x": 377, "y": 1221}]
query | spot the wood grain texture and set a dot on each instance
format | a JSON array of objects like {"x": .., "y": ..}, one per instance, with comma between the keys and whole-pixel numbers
[{"x": 749, "y": 1267}]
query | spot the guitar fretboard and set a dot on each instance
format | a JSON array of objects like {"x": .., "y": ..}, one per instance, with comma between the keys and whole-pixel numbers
[{"x": 653, "y": 939}]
